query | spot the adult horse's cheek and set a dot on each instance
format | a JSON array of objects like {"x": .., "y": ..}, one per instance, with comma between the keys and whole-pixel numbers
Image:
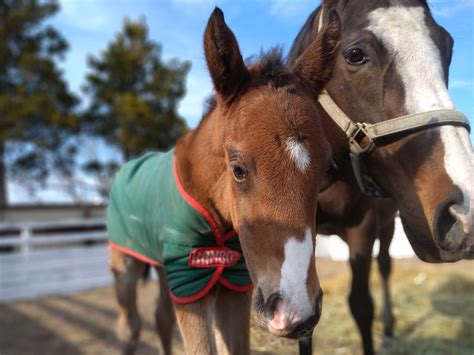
[{"x": 446, "y": 187}]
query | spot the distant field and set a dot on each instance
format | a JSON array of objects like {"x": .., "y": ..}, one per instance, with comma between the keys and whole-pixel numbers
[{"x": 434, "y": 309}]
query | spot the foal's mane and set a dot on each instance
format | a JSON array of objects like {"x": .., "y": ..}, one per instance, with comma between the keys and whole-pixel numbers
[{"x": 268, "y": 68}]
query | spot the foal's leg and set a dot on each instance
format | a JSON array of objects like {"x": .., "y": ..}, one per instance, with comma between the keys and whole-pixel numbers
[
  {"x": 127, "y": 271},
  {"x": 195, "y": 323},
  {"x": 385, "y": 265},
  {"x": 361, "y": 240},
  {"x": 164, "y": 314},
  {"x": 232, "y": 322}
]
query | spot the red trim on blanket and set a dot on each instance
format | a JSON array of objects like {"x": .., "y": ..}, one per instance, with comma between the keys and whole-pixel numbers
[
  {"x": 233, "y": 287},
  {"x": 211, "y": 283},
  {"x": 229, "y": 235},
  {"x": 201, "y": 210},
  {"x": 203, "y": 292},
  {"x": 133, "y": 253},
  {"x": 220, "y": 240},
  {"x": 216, "y": 277}
]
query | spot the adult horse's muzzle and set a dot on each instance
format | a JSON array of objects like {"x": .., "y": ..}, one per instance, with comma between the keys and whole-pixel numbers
[
  {"x": 458, "y": 242},
  {"x": 454, "y": 232},
  {"x": 278, "y": 318}
]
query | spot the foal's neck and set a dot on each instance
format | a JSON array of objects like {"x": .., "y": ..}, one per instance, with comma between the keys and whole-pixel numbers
[{"x": 201, "y": 167}]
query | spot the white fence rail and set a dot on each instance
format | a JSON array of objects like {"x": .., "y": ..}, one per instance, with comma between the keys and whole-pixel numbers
[
  {"x": 26, "y": 236},
  {"x": 42, "y": 258}
]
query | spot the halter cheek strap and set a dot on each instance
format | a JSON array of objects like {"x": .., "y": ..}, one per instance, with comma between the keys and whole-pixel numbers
[{"x": 363, "y": 136}]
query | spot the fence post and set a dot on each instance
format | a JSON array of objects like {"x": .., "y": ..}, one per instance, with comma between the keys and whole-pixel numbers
[{"x": 25, "y": 236}]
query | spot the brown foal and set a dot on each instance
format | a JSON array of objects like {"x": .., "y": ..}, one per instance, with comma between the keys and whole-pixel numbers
[{"x": 255, "y": 163}]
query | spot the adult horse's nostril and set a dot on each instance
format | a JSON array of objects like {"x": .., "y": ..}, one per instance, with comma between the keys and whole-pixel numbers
[
  {"x": 464, "y": 219},
  {"x": 444, "y": 220},
  {"x": 453, "y": 228}
]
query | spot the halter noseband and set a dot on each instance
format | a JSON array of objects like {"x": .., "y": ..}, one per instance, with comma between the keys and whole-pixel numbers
[{"x": 363, "y": 136}]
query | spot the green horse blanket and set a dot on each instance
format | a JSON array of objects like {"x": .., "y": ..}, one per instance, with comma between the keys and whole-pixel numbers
[{"x": 153, "y": 219}]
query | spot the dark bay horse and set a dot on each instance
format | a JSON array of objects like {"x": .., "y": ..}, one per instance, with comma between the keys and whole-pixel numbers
[
  {"x": 254, "y": 165},
  {"x": 393, "y": 62}
]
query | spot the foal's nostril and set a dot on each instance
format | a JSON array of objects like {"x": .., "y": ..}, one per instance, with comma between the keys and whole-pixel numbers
[
  {"x": 305, "y": 329},
  {"x": 270, "y": 305}
]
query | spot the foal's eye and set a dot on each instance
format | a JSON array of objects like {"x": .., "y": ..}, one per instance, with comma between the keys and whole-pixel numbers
[
  {"x": 239, "y": 172},
  {"x": 356, "y": 56}
]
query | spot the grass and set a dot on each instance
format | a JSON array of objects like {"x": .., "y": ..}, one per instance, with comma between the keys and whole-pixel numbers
[{"x": 433, "y": 306}]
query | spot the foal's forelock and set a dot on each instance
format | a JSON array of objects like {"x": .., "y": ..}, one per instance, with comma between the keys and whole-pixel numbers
[{"x": 405, "y": 34}]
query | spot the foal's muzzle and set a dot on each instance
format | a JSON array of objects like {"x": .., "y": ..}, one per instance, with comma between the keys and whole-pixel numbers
[{"x": 281, "y": 322}]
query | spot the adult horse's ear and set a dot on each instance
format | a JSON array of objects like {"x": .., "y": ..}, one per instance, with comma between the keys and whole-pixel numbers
[
  {"x": 316, "y": 64},
  {"x": 225, "y": 63},
  {"x": 331, "y": 4}
]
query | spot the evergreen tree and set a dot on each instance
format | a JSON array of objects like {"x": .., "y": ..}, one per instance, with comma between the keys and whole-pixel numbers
[
  {"x": 134, "y": 95},
  {"x": 36, "y": 107}
]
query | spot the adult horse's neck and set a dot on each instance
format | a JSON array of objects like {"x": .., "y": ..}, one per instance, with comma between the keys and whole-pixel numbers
[{"x": 200, "y": 164}]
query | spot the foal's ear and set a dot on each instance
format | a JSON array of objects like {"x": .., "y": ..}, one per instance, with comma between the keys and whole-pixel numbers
[
  {"x": 225, "y": 63},
  {"x": 316, "y": 64}
]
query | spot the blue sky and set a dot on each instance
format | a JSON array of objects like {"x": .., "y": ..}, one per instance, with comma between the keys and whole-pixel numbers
[{"x": 89, "y": 25}]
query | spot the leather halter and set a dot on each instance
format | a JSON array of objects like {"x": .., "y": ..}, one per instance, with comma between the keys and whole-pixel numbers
[{"x": 364, "y": 137}]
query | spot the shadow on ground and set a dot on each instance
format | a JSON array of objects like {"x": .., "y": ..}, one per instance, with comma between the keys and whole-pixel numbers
[{"x": 433, "y": 305}]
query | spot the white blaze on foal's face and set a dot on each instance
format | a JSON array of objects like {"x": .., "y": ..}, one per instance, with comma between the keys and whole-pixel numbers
[
  {"x": 405, "y": 35},
  {"x": 294, "y": 274}
]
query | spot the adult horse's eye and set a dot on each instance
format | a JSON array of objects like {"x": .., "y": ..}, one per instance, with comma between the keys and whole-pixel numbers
[
  {"x": 239, "y": 172},
  {"x": 356, "y": 56}
]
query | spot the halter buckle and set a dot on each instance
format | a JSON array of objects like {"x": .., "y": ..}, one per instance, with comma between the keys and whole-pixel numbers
[{"x": 356, "y": 138}]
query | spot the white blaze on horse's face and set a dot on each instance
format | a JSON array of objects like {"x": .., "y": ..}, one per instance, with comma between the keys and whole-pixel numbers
[
  {"x": 295, "y": 305},
  {"x": 298, "y": 153},
  {"x": 404, "y": 33}
]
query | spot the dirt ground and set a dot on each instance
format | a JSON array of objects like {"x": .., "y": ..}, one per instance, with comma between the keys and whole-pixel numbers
[{"x": 433, "y": 305}]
